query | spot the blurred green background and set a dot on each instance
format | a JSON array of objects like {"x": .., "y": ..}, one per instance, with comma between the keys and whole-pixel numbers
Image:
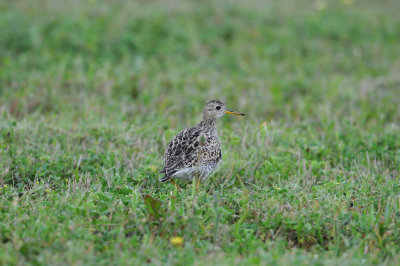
[{"x": 91, "y": 92}]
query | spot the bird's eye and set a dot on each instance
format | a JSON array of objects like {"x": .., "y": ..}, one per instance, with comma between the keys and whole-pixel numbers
[{"x": 218, "y": 107}]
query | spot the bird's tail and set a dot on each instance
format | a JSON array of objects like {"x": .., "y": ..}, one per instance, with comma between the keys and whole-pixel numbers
[{"x": 165, "y": 179}]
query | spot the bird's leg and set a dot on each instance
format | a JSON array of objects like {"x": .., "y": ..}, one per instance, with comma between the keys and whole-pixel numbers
[
  {"x": 197, "y": 183},
  {"x": 175, "y": 184}
]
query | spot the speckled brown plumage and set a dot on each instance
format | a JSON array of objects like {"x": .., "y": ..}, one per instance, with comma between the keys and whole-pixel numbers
[{"x": 196, "y": 152}]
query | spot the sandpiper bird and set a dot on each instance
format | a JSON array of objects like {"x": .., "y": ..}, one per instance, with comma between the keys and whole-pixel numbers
[{"x": 196, "y": 151}]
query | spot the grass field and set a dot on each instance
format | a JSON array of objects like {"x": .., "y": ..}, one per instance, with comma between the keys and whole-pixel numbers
[{"x": 91, "y": 92}]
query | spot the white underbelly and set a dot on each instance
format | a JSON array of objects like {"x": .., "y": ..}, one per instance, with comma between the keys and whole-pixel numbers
[{"x": 200, "y": 172}]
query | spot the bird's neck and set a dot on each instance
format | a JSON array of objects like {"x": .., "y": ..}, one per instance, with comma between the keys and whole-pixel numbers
[{"x": 209, "y": 123}]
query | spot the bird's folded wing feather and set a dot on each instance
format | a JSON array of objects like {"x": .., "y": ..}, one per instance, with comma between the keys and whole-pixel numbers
[{"x": 181, "y": 152}]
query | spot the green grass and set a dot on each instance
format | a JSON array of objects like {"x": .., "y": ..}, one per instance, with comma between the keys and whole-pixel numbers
[{"x": 91, "y": 92}]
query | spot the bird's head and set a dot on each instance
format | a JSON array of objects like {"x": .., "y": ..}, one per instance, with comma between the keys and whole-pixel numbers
[{"x": 215, "y": 109}]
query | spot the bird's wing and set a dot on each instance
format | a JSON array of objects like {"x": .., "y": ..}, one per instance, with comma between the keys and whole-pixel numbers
[{"x": 181, "y": 152}]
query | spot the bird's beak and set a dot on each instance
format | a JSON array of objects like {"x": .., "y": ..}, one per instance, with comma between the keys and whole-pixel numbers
[{"x": 233, "y": 112}]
